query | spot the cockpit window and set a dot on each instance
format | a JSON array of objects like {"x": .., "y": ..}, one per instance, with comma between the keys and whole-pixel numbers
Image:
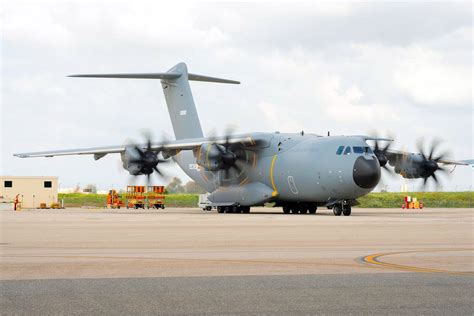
[
  {"x": 362, "y": 150},
  {"x": 347, "y": 151},
  {"x": 339, "y": 150}
]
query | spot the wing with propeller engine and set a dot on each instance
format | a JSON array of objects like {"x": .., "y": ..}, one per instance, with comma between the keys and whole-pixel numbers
[
  {"x": 144, "y": 158},
  {"x": 424, "y": 164},
  {"x": 169, "y": 148}
]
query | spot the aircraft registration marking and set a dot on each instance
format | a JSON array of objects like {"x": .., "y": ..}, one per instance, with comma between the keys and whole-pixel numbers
[{"x": 194, "y": 166}]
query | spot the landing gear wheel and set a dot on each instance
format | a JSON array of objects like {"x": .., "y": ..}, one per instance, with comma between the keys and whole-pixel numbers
[
  {"x": 286, "y": 209},
  {"x": 303, "y": 209},
  {"x": 346, "y": 210},
  {"x": 294, "y": 209},
  {"x": 337, "y": 210},
  {"x": 220, "y": 209},
  {"x": 312, "y": 209},
  {"x": 228, "y": 209},
  {"x": 245, "y": 209}
]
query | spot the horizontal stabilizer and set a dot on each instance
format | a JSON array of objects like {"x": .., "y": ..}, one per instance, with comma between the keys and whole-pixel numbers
[
  {"x": 164, "y": 75},
  {"x": 195, "y": 77}
]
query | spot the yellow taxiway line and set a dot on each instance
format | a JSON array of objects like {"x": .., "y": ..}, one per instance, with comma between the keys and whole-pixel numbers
[{"x": 375, "y": 260}]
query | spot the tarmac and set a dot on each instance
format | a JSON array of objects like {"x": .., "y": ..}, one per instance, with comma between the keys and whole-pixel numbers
[{"x": 187, "y": 261}]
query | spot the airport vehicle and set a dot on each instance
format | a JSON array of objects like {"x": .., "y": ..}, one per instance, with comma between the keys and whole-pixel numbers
[
  {"x": 135, "y": 196},
  {"x": 114, "y": 200},
  {"x": 204, "y": 202},
  {"x": 155, "y": 197},
  {"x": 298, "y": 171}
]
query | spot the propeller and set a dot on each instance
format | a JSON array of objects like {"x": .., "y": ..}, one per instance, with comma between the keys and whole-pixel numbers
[
  {"x": 148, "y": 158},
  {"x": 429, "y": 165},
  {"x": 381, "y": 153},
  {"x": 229, "y": 155}
]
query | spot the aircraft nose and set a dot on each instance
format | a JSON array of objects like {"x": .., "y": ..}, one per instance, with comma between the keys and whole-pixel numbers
[{"x": 366, "y": 173}]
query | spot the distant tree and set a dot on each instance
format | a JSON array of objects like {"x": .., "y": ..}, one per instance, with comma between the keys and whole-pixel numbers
[
  {"x": 175, "y": 186},
  {"x": 193, "y": 187},
  {"x": 91, "y": 188},
  {"x": 77, "y": 189}
]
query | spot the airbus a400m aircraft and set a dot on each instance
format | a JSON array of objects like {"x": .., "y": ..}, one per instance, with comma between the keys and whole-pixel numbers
[{"x": 296, "y": 171}]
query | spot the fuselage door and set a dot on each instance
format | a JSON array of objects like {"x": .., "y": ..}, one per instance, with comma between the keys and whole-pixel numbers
[{"x": 292, "y": 185}]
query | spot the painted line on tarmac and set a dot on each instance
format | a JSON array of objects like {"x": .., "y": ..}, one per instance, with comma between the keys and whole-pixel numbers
[{"x": 374, "y": 259}]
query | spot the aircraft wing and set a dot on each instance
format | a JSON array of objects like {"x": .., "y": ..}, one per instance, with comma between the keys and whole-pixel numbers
[
  {"x": 177, "y": 145},
  {"x": 394, "y": 156}
]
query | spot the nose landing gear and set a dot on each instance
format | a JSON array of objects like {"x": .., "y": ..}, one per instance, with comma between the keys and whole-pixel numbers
[
  {"x": 340, "y": 208},
  {"x": 337, "y": 210},
  {"x": 346, "y": 210}
]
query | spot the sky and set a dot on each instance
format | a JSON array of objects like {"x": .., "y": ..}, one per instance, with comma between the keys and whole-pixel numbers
[{"x": 398, "y": 68}]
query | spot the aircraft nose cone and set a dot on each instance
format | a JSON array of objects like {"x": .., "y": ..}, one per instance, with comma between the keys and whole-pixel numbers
[{"x": 366, "y": 173}]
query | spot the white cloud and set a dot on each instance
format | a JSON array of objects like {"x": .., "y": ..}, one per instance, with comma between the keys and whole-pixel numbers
[{"x": 431, "y": 80}]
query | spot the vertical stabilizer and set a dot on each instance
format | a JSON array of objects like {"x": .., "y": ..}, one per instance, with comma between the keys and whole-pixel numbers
[{"x": 180, "y": 102}]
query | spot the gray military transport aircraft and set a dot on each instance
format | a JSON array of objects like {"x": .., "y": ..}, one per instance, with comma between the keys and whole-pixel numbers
[{"x": 297, "y": 171}]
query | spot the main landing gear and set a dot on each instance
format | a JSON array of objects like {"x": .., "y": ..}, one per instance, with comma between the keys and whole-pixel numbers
[
  {"x": 300, "y": 208},
  {"x": 233, "y": 209},
  {"x": 340, "y": 208}
]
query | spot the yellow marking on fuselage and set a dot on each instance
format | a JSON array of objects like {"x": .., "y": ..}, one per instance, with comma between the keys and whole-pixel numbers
[
  {"x": 275, "y": 191},
  {"x": 244, "y": 181}
]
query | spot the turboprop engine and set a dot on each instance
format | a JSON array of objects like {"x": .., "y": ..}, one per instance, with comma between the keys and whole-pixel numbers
[
  {"x": 214, "y": 157},
  {"x": 142, "y": 160},
  {"x": 137, "y": 165}
]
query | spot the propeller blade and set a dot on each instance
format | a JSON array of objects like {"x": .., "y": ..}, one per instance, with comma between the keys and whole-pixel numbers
[
  {"x": 241, "y": 155},
  {"x": 158, "y": 171},
  {"x": 443, "y": 155},
  {"x": 384, "y": 150},
  {"x": 434, "y": 178},
  {"x": 443, "y": 170},
  {"x": 139, "y": 151},
  {"x": 237, "y": 168},
  {"x": 420, "y": 148},
  {"x": 219, "y": 148},
  {"x": 434, "y": 145}
]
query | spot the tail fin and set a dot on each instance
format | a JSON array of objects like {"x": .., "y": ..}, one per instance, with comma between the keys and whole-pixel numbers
[{"x": 179, "y": 98}]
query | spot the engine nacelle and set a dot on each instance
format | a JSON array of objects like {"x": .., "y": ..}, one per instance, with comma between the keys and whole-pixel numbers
[
  {"x": 208, "y": 157},
  {"x": 413, "y": 166},
  {"x": 127, "y": 157}
]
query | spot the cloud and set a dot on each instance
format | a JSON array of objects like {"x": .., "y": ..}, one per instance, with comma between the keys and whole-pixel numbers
[
  {"x": 346, "y": 67},
  {"x": 430, "y": 79}
]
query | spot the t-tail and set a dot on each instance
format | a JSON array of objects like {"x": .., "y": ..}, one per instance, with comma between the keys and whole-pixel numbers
[{"x": 179, "y": 99}]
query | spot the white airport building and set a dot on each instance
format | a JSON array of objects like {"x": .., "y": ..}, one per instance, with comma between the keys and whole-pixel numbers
[{"x": 32, "y": 192}]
